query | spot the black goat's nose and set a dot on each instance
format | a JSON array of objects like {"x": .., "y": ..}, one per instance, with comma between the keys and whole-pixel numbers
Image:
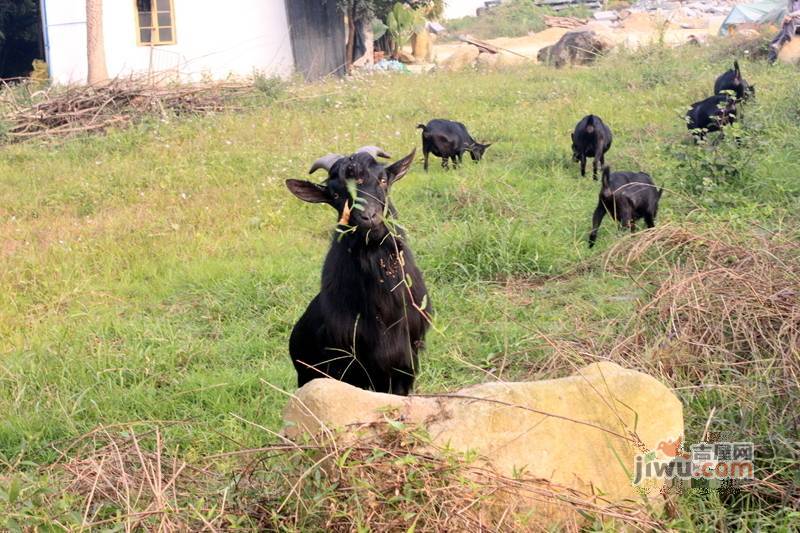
[{"x": 371, "y": 216}]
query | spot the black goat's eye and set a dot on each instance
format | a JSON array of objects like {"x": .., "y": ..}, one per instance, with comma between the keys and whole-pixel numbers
[{"x": 336, "y": 196}]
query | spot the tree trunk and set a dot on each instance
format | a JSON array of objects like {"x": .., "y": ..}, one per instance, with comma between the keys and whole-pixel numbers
[
  {"x": 351, "y": 38},
  {"x": 95, "y": 48}
]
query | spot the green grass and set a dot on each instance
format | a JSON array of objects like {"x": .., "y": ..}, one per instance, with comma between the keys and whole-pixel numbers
[{"x": 154, "y": 274}]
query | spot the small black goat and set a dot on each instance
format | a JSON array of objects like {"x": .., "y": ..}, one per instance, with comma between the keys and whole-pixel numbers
[
  {"x": 591, "y": 138},
  {"x": 368, "y": 322},
  {"x": 732, "y": 80},
  {"x": 711, "y": 114},
  {"x": 626, "y": 197},
  {"x": 449, "y": 140}
]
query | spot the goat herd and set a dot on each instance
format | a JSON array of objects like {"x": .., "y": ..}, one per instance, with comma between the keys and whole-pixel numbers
[{"x": 367, "y": 324}]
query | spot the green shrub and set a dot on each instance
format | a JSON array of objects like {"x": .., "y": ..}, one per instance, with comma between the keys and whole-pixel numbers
[{"x": 512, "y": 19}]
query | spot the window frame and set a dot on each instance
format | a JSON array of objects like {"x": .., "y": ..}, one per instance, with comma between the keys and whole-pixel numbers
[{"x": 155, "y": 27}]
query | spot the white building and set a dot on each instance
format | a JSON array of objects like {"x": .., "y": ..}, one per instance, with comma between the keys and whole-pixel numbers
[{"x": 191, "y": 40}]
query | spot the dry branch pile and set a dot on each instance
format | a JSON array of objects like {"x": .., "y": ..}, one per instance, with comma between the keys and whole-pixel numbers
[{"x": 65, "y": 111}]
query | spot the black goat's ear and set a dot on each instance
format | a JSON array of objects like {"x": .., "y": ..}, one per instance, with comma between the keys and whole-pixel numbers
[
  {"x": 308, "y": 191},
  {"x": 398, "y": 169}
]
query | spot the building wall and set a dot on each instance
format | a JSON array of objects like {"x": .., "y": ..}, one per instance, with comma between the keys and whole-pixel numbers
[
  {"x": 213, "y": 40},
  {"x": 318, "y": 38}
]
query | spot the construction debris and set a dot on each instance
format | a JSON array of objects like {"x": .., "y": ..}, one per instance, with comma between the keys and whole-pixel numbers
[
  {"x": 485, "y": 47},
  {"x": 606, "y": 15},
  {"x": 564, "y": 22},
  {"x": 693, "y": 9},
  {"x": 558, "y": 5}
]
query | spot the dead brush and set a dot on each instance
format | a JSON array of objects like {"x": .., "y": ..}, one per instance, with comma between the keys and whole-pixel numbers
[
  {"x": 129, "y": 480},
  {"x": 390, "y": 479},
  {"x": 394, "y": 479},
  {"x": 721, "y": 303},
  {"x": 720, "y": 323}
]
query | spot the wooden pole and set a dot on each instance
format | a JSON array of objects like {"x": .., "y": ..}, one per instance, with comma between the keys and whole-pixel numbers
[{"x": 95, "y": 47}]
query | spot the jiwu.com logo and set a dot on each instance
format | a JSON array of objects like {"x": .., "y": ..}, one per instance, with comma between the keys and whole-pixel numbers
[{"x": 717, "y": 460}]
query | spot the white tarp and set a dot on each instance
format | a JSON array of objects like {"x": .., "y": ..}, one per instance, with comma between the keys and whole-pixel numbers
[{"x": 764, "y": 12}]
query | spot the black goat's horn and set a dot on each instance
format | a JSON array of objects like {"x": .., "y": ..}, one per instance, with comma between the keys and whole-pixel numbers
[
  {"x": 374, "y": 151},
  {"x": 326, "y": 162}
]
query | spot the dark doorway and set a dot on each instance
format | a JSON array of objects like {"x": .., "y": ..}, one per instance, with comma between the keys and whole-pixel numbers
[
  {"x": 318, "y": 37},
  {"x": 21, "y": 37}
]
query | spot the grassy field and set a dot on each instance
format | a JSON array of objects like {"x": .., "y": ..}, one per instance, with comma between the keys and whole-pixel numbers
[{"x": 154, "y": 274}]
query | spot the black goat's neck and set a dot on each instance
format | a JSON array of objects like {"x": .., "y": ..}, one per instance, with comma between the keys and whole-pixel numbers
[
  {"x": 372, "y": 264},
  {"x": 364, "y": 245}
]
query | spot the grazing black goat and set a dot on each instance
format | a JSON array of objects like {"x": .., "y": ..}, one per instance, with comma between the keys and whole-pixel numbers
[
  {"x": 591, "y": 138},
  {"x": 732, "y": 80},
  {"x": 368, "y": 322},
  {"x": 449, "y": 140},
  {"x": 711, "y": 114},
  {"x": 626, "y": 197}
]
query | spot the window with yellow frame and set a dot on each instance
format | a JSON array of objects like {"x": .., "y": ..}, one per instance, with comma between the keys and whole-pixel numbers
[{"x": 155, "y": 22}]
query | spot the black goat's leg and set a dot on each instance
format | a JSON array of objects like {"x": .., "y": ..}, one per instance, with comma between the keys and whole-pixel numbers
[{"x": 597, "y": 218}]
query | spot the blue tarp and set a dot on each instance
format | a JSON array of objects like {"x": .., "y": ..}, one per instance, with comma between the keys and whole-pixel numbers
[{"x": 765, "y": 12}]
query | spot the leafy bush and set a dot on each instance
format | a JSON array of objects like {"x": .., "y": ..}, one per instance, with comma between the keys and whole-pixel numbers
[
  {"x": 271, "y": 87},
  {"x": 718, "y": 161}
]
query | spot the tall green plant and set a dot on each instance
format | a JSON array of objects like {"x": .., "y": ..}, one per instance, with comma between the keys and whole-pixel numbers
[{"x": 402, "y": 22}]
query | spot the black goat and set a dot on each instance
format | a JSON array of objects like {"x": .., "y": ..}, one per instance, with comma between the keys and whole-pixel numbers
[
  {"x": 626, "y": 197},
  {"x": 368, "y": 322},
  {"x": 591, "y": 138},
  {"x": 711, "y": 114},
  {"x": 449, "y": 140},
  {"x": 732, "y": 80}
]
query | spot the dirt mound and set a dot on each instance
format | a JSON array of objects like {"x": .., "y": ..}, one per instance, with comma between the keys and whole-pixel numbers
[{"x": 461, "y": 57}]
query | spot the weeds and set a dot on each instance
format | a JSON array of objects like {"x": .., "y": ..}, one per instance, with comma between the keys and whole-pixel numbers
[
  {"x": 720, "y": 162},
  {"x": 390, "y": 479}
]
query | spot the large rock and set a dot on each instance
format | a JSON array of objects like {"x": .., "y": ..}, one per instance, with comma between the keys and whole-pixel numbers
[
  {"x": 575, "y": 431},
  {"x": 575, "y": 48}
]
